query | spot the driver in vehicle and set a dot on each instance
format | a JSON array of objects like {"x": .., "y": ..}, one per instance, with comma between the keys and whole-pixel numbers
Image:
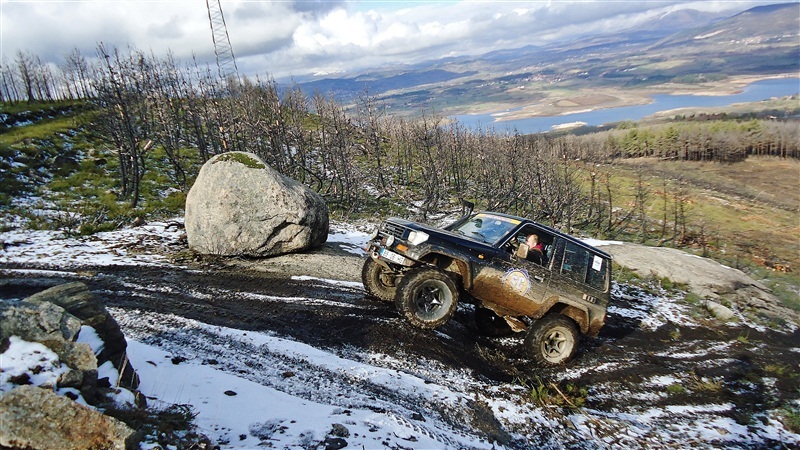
[
  {"x": 534, "y": 244},
  {"x": 535, "y": 249}
]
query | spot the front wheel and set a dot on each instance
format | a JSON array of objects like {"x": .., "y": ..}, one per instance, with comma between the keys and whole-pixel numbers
[
  {"x": 552, "y": 340},
  {"x": 427, "y": 298},
  {"x": 378, "y": 280}
]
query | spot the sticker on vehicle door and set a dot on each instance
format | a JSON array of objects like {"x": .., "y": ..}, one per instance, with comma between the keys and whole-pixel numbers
[{"x": 518, "y": 280}]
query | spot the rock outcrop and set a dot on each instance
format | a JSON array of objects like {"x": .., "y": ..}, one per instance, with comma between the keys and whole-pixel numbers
[
  {"x": 705, "y": 277},
  {"x": 42, "y": 355},
  {"x": 33, "y": 417},
  {"x": 77, "y": 300},
  {"x": 239, "y": 206},
  {"x": 57, "y": 330}
]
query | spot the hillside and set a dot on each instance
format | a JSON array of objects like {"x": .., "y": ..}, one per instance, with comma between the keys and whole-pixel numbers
[
  {"x": 680, "y": 358},
  {"x": 761, "y": 27},
  {"x": 684, "y": 48}
]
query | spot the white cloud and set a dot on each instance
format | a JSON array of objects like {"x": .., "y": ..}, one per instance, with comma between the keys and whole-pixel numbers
[{"x": 300, "y": 37}]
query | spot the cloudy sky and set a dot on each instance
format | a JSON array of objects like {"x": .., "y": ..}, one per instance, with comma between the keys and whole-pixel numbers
[{"x": 295, "y": 38}]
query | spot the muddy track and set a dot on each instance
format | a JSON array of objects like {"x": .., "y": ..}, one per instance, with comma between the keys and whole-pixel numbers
[
  {"x": 748, "y": 369},
  {"x": 325, "y": 315}
]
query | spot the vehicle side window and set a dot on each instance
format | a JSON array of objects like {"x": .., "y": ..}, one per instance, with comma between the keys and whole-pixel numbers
[
  {"x": 598, "y": 269},
  {"x": 581, "y": 265},
  {"x": 576, "y": 262}
]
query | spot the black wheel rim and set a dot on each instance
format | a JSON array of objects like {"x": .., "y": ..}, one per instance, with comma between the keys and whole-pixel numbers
[{"x": 431, "y": 297}]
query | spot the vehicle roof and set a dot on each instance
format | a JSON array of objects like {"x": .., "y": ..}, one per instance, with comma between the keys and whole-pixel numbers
[{"x": 550, "y": 230}]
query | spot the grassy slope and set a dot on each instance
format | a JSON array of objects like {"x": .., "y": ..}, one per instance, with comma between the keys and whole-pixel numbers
[
  {"x": 57, "y": 158},
  {"x": 751, "y": 209}
]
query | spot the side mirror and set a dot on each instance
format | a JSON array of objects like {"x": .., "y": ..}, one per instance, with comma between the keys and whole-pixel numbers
[{"x": 522, "y": 251}]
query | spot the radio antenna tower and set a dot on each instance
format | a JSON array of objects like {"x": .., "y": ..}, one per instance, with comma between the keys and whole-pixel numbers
[{"x": 226, "y": 64}]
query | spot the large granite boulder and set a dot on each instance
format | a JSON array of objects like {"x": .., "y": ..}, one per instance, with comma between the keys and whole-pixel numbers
[{"x": 239, "y": 206}]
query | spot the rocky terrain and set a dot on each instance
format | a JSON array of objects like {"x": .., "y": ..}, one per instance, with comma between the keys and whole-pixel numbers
[{"x": 665, "y": 371}]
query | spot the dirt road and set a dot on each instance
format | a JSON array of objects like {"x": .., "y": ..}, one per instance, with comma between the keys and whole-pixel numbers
[{"x": 657, "y": 357}]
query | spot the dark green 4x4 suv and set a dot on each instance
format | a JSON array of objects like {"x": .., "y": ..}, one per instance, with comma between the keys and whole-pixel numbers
[{"x": 554, "y": 292}]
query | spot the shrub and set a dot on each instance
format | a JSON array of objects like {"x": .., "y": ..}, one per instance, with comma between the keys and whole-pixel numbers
[{"x": 568, "y": 396}]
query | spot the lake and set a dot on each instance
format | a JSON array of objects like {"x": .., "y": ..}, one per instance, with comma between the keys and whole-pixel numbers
[{"x": 757, "y": 91}]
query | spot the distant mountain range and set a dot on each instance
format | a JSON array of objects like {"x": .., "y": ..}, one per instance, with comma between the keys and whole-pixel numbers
[{"x": 685, "y": 46}]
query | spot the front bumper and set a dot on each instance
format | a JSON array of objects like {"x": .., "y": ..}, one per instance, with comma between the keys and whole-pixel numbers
[{"x": 388, "y": 254}]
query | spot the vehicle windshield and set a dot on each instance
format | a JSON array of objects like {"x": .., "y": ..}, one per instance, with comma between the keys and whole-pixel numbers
[{"x": 487, "y": 228}]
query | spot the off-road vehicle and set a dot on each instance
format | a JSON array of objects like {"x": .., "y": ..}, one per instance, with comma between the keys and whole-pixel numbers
[{"x": 553, "y": 293}]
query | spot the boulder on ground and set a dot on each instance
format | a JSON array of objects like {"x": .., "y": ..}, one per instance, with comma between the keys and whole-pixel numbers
[
  {"x": 32, "y": 417},
  {"x": 48, "y": 324},
  {"x": 239, "y": 206}
]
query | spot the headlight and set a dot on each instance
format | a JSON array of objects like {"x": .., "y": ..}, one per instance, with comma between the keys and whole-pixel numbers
[
  {"x": 417, "y": 237},
  {"x": 373, "y": 235}
]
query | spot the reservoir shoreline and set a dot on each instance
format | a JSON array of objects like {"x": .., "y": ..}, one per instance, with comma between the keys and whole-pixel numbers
[{"x": 602, "y": 106}]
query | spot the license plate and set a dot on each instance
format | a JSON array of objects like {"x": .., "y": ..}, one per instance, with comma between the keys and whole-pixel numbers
[{"x": 392, "y": 256}]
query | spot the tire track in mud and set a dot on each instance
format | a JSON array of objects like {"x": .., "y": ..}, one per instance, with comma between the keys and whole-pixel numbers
[
  {"x": 157, "y": 305},
  {"x": 305, "y": 373},
  {"x": 657, "y": 373}
]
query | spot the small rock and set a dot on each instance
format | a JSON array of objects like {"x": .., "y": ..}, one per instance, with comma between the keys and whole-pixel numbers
[
  {"x": 335, "y": 443},
  {"x": 21, "y": 379},
  {"x": 230, "y": 393},
  {"x": 721, "y": 312},
  {"x": 71, "y": 378},
  {"x": 340, "y": 430},
  {"x": 177, "y": 360}
]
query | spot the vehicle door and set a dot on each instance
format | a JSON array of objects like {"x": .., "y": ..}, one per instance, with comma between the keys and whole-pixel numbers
[
  {"x": 512, "y": 283},
  {"x": 578, "y": 275}
]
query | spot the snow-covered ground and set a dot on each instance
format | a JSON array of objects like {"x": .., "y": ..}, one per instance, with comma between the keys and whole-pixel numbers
[
  {"x": 231, "y": 409},
  {"x": 255, "y": 389}
]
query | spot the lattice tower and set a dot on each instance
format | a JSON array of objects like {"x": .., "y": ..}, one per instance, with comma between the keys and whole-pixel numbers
[{"x": 226, "y": 63}]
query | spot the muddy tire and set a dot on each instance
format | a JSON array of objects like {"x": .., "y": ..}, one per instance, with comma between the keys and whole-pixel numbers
[
  {"x": 378, "y": 282},
  {"x": 490, "y": 324},
  {"x": 552, "y": 340},
  {"x": 427, "y": 298}
]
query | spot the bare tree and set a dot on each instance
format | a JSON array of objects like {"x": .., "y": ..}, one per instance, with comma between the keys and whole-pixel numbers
[
  {"x": 120, "y": 92},
  {"x": 77, "y": 74},
  {"x": 25, "y": 68},
  {"x": 10, "y": 91}
]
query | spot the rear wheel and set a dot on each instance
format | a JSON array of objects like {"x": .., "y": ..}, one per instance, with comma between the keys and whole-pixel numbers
[
  {"x": 427, "y": 298},
  {"x": 552, "y": 340},
  {"x": 378, "y": 280}
]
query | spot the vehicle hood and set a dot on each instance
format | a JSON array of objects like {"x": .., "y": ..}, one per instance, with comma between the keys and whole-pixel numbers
[{"x": 438, "y": 234}]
